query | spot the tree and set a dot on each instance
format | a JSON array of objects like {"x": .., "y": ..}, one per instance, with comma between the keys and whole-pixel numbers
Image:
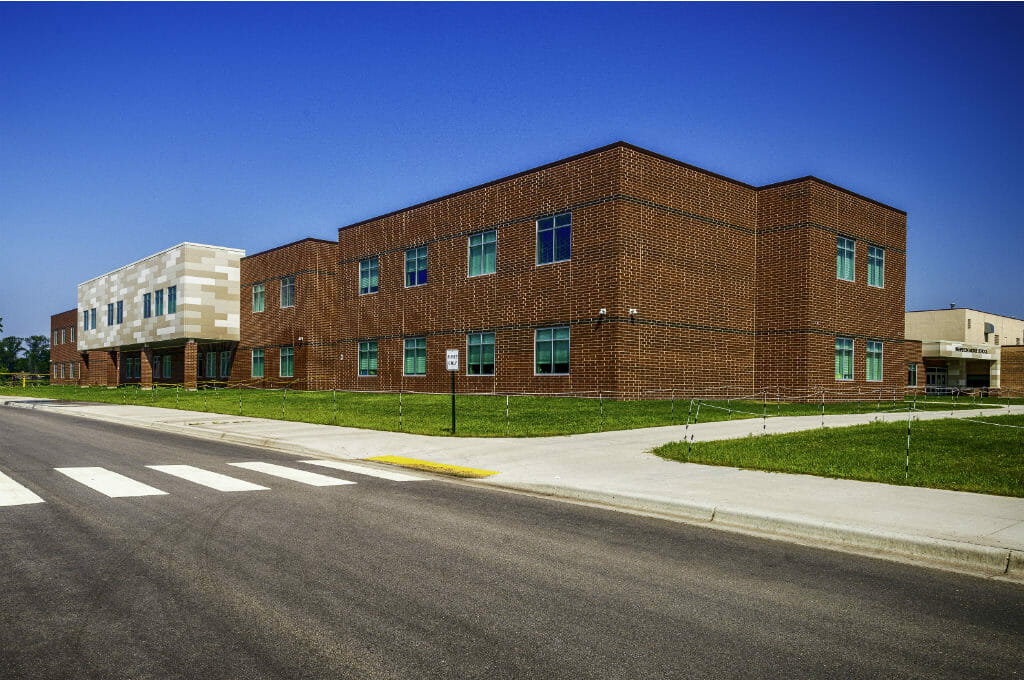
[
  {"x": 37, "y": 354},
  {"x": 10, "y": 348}
]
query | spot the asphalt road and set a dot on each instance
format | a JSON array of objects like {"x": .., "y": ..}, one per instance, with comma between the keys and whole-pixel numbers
[{"x": 393, "y": 579}]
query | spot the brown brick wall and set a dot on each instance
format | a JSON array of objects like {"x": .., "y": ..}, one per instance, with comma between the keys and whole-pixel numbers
[
  {"x": 1011, "y": 370},
  {"x": 64, "y": 352}
]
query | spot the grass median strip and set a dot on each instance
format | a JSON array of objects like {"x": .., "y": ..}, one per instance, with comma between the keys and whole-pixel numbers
[
  {"x": 984, "y": 455},
  {"x": 428, "y": 466}
]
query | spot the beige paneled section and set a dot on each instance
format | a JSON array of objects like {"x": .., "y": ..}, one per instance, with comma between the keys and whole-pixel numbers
[{"x": 207, "y": 283}]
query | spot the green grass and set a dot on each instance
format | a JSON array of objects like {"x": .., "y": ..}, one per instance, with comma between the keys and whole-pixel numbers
[
  {"x": 962, "y": 455},
  {"x": 476, "y": 415}
]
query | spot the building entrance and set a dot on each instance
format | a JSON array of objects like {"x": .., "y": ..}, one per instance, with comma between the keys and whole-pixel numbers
[{"x": 935, "y": 379}]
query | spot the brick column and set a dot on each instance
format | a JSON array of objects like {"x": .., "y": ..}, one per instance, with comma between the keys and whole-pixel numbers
[
  {"x": 191, "y": 350},
  {"x": 113, "y": 376},
  {"x": 146, "y": 380}
]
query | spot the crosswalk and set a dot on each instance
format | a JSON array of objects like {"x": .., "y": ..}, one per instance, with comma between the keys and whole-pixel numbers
[{"x": 117, "y": 485}]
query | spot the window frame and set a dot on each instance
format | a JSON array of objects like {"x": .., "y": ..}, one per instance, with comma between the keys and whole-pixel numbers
[
  {"x": 110, "y": 313},
  {"x": 469, "y": 353},
  {"x": 260, "y": 289},
  {"x": 554, "y": 229},
  {"x": 483, "y": 252},
  {"x": 92, "y": 319},
  {"x": 372, "y": 265},
  {"x": 281, "y": 361},
  {"x": 167, "y": 365},
  {"x": 553, "y": 340},
  {"x": 405, "y": 355},
  {"x": 172, "y": 299},
  {"x": 120, "y": 312},
  {"x": 878, "y": 268},
  {"x": 147, "y": 305},
  {"x": 868, "y": 356},
  {"x": 852, "y": 350},
  {"x": 287, "y": 284},
  {"x": 911, "y": 371},
  {"x": 840, "y": 251},
  {"x": 419, "y": 261},
  {"x": 262, "y": 364},
  {"x": 63, "y": 335},
  {"x": 369, "y": 347},
  {"x": 209, "y": 373},
  {"x": 225, "y": 363},
  {"x": 158, "y": 302}
]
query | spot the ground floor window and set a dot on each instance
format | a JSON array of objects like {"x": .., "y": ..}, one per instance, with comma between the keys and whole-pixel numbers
[
  {"x": 225, "y": 364},
  {"x": 167, "y": 365},
  {"x": 873, "y": 369},
  {"x": 415, "y": 356},
  {"x": 912, "y": 375},
  {"x": 156, "y": 367},
  {"x": 211, "y": 364},
  {"x": 551, "y": 351},
  {"x": 368, "y": 358},
  {"x": 257, "y": 363},
  {"x": 480, "y": 348},
  {"x": 844, "y": 358},
  {"x": 287, "y": 369}
]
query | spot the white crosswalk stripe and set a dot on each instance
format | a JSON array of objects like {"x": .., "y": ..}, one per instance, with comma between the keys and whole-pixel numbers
[
  {"x": 303, "y": 476},
  {"x": 12, "y": 493},
  {"x": 214, "y": 480},
  {"x": 109, "y": 483},
  {"x": 366, "y": 470}
]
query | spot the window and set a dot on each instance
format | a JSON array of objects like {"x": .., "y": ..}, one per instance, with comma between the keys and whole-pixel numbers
[
  {"x": 225, "y": 363},
  {"x": 92, "y": 318},
  {"x": 258, "y": 297},
  {"x": 368, "y": 274},
  {"x": 85, "y": 320},
  {"x": 71, "y": 333},
  {"x": 55, "y": 336},
  {"x": 160, "y": 302},
  {"x": 257, "y": 363},
  {"x": 845, "y": 250},
  {"x": 483, "y": 253},
  {"x": 211, "y": 364},
  {"x": 147, "y": 307},
  {"x": 288, "y": 291},
  {"x": 415, "y": 356},
  {"x": 415, "y": 266},
  {"x": 287, "y": 368},
  {"x": 167, "y": 365},
  {"x": 55, "y": 370},
  {"x": 120, "y": 311},
  {"x": 968, "y": 324},
  {"x": 997, "y": 338},
  {"x": 844, "y": 358},
  {"x": 554, "y": 236},
  {"x": 368, "y": 358},
  {"x": 172, "y": 299},
  {"x": 876, "y": 266},
  {"x": 912, "y": 375},
  {"x": 551, "y": 351},
  {"x": 63, "y": 335},
  {"x": 156, "y": 367},
  {"x": 110, "y": 314},
  {"x": 62, "y": 369},
  {"x": 873, "y": 370},
  {"x": 480, "y": 350}
]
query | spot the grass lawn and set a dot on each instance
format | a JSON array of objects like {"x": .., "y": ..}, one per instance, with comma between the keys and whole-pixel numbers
[
  {"x": 944, "y": 454},
  {"x": 476, "y": 415}
]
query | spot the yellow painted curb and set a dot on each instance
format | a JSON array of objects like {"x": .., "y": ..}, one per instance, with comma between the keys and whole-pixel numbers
[{"x": 453, "y": 470}]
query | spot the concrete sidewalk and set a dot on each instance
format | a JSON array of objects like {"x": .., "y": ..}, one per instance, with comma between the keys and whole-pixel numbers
[{"x": 973, "y": 533}]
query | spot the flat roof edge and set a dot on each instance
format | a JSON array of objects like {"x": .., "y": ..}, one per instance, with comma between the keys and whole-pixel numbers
[
  {"x": 161, "y": 252},
  {"x": 293, "y": 243}
]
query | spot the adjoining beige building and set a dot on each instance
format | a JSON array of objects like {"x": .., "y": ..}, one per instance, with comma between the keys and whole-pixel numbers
[
  {"x": 962, "y": 347},
  {"x": 152, "y": 319}
]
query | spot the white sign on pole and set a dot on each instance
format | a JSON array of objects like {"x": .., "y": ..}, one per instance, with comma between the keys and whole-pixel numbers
[{"x": 452, "y": 359}]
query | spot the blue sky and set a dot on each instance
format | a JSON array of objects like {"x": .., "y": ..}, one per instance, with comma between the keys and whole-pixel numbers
[{"x": 127, "y": 128}]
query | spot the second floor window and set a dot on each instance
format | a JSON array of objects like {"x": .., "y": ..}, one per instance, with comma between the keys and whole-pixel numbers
[
  {"x": 844, "y": 258},
  {"x": 120, "y": 311},
  {"x": 110, "y": 314},
  {"x": 483, "y": 249},
  {"x": 172, "y": 299},
  {"x": 146, "y": 305},
  {"x": 92, "y": 318},
  {"x": 160, "y": 302},
  {"x": 415, "y": 267},
  {"x": 554, "y": 238},
  {"x": 876, "y": 266},
  {"x": 369, "y": 271},
  {"x": 257, "y": 297},
  {"x": 288, "y": 291}
]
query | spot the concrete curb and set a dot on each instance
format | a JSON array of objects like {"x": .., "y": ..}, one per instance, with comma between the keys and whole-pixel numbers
[{"x": 970, "y": 558}]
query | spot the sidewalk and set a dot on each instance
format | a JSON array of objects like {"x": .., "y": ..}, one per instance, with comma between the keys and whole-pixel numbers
[{"x": 967, "y": 532}]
